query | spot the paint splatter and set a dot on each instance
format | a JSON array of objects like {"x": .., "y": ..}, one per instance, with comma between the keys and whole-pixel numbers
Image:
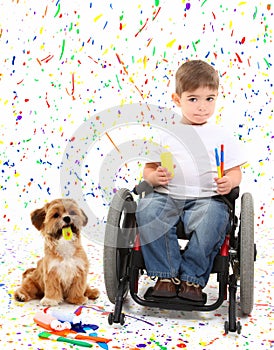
[{"x": 61, "y": 65}]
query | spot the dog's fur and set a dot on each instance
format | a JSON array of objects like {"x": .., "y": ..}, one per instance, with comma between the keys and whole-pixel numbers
[{"x": 62, "y": 273}]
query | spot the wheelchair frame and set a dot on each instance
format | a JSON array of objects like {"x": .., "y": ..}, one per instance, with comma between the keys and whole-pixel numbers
[{"x": 124, "y": 263}]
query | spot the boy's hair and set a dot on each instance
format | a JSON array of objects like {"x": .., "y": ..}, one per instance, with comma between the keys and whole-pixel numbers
[{"x": 194, "y": 74}]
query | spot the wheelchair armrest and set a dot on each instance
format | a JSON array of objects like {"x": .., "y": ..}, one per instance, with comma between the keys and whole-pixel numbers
[
  {"x": 146, "y": 188},
  {"x": 229, "y": 198},
  {"x": 143, "y": 187},
  {"x": 233, "y": 194}
]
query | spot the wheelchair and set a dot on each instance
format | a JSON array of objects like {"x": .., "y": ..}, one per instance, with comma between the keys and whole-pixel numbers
[{"x": 124, "y": 263}]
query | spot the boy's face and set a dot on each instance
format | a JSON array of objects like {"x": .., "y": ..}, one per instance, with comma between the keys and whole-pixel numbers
[{"x": 197, "y": 106}]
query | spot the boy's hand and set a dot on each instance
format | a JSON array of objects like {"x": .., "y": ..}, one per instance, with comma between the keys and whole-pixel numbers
[
  {"x": 224, "y": 185},
  {"x": 162, "y": 176}
]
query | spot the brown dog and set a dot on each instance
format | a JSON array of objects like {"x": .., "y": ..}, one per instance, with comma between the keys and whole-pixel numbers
[{"x": 62, "y": 273}]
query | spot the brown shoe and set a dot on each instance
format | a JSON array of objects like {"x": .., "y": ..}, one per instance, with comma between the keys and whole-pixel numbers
[
  {"x": 190, "y": 291},
  {"x": 165, "y": 287}
]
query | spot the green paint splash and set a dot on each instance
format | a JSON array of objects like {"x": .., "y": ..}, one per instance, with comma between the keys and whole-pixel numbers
[
  {"x": 58, "y": 10},
  {"x": 63, "y": 48}
]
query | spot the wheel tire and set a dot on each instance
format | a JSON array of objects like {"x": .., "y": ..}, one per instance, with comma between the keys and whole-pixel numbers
[
  {"x": 246, "y": 254},
  {"x": 122, "y": 319},
  {"x": 119, "y": 238},
  {"x": 239, "y": 327},
  {"x": 232, "y": 313},
  {"x": 226, "y": 326},
  {"x": 110, "y": 318}
]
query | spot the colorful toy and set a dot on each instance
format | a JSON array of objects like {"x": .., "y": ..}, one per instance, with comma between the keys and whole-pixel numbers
[
  {"x": 65, "y": 317},
  {"x": 50, "y": 322},
  {"x": 220, "y": 165},
  {"x": 67, "y": 233},
  {"x": 167, "y": 162},
  {"x": 81, "y": 336},
  {"x": 47, "y": 335},
  {"x": 222, "y": 159}
]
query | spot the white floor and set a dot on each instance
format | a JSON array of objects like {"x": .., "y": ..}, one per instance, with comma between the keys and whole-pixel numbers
[{"x": 145, "y": 328}]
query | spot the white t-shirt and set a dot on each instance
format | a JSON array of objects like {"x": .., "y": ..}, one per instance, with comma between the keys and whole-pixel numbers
[{"x": 193, "y": 150}]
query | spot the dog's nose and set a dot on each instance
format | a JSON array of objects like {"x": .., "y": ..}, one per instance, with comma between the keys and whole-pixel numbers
[{"x": 66, "y": 219}]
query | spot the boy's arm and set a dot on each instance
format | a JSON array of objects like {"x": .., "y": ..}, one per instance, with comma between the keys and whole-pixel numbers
[
  {"x": 156, "y": 175},
  {"x": 232, "y": 178}
]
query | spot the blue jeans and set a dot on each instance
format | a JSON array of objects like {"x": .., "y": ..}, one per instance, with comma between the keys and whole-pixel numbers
[{"x": 206, "y": 222}]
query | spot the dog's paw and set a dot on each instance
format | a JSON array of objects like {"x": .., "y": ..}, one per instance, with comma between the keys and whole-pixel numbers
[
  {"x": 77, "y": 300},
  {"x": 49, "y": 302},
  {"x": 92, "y": 293},
  {"x": 19, "y": 296}
]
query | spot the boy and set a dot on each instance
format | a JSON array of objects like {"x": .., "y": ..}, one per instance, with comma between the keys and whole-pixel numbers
[{"x": 191, "y": 194}]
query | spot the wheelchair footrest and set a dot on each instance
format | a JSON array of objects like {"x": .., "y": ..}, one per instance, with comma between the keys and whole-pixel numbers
[{"x": 174, "y": 300}]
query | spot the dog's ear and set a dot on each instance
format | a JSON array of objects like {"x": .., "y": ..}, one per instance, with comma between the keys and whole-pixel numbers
[
  {"x": 84, "y": 217},
  {"x": 38, "y": 218}
]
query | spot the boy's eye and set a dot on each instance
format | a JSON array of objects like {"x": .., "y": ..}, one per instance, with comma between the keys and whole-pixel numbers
[{"x": 193, "y": 99}]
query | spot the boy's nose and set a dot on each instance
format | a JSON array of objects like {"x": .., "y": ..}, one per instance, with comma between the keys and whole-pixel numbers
[{"x": 202, "y": 107}]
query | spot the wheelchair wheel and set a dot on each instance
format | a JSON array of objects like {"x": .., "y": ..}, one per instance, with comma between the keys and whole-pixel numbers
[
  {"x": 246, "y": 253},
  {"x": 118, "y": 242}
]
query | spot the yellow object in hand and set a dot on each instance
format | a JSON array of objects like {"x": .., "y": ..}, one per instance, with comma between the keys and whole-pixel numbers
[
  {"x": 167, "y": 162},
  {"x": 67, "y": 233}
]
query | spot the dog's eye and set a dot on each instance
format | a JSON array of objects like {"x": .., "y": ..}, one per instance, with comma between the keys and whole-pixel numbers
[
  {"x": 56, "y": 215},
  {"x": 72, "y": 212}
]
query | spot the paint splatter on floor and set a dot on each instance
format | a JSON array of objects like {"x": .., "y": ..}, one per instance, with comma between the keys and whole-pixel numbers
[{"x": 144, "y": 328}]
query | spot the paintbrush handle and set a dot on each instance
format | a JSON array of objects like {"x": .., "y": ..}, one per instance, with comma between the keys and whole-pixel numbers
[
  {"x": 93, "y": 338},
  {"x": 47, "y": 335}
]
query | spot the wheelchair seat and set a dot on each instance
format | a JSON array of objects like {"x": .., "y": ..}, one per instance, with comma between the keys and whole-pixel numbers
[{"x": 124, "y": 263}]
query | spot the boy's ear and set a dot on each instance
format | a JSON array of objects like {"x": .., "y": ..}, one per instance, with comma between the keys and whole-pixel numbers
[{"x": 176, "y": 99}]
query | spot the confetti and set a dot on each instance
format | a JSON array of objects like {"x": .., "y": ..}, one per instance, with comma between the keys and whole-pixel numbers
[{"x": 64, "y": 63}]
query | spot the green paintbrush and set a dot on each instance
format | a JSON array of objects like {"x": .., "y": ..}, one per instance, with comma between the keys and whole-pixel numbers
[{"x": 47, "y": 335}]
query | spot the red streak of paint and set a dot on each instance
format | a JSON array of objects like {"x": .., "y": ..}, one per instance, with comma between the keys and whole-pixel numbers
[
  {"x": 93, "y": 59},
  {"x": 142, "y": 28},
  {"x": 119, "y": 59},
  {"x": 110, "y": 139},
  {"x": 239, "y": 58},
  {"x": 72, "y": 84},
  {"x": 156, "y": 13}
]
